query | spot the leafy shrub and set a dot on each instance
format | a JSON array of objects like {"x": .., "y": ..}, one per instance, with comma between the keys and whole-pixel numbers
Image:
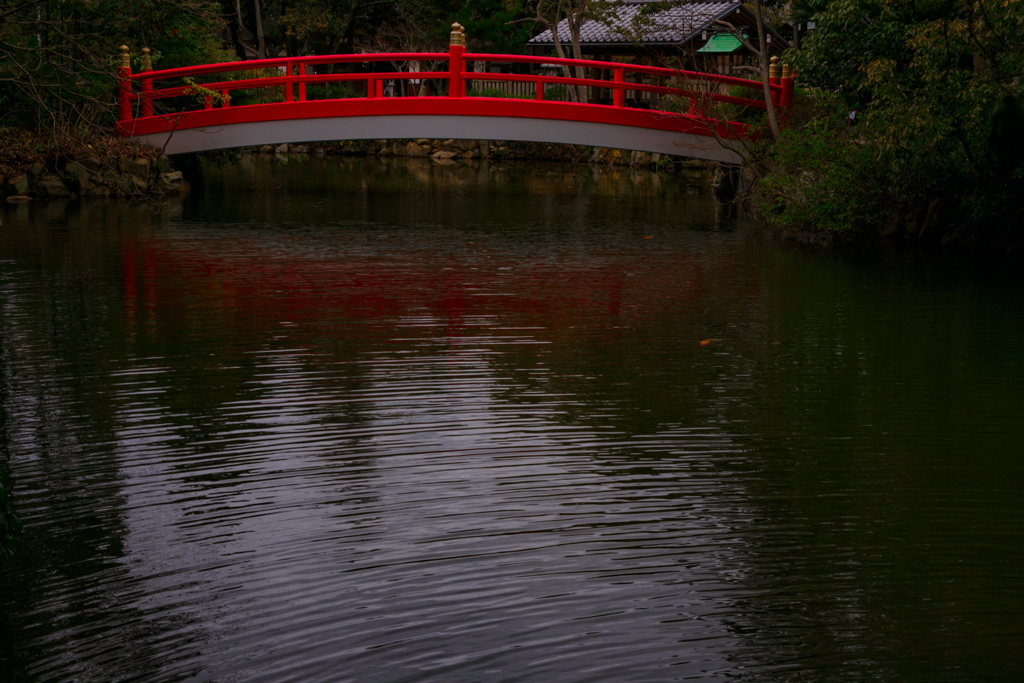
[
  {"x": 556, "y": 93},
  {"x": 827, "y": 176},
  {"x": 498, "y": 93},
  {"x": 676, "y": 104},
  {"x": 332, "y": 91}
]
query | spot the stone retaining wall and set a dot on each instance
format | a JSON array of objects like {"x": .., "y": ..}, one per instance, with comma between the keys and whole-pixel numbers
[
  {"x": 454, "y": 150},
  {"x": 94, "y": 177}
]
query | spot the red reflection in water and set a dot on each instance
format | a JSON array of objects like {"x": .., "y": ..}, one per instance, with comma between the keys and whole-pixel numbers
[{"x": 294, "y": 280}]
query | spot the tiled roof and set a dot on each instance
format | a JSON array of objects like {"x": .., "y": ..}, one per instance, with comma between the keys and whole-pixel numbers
[{"x": 672, "y": 26}]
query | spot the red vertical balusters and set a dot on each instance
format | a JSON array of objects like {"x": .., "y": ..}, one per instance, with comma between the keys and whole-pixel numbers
[{"x": 619, "y": 94}]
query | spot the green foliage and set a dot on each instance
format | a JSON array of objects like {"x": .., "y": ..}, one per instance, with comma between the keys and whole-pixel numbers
[
  {"x": 497, "y": 92},
  {"x": 677, "y": 104},
  {"x": 492, "y": 25},
  {"x": 735, "y": 112},
  {"x": 202, "y": 94},
  {"x": 826, "y": 176},
  {"x": 934, "y": 88},
  {"x": 10, "y": 525},
  {"x": 556, "y": 93},
  {"x": 58, "y": 58},
  {"x": 333, "y": 91}
]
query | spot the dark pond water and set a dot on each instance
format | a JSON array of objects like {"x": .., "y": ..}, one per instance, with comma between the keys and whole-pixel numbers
[{"x": 366, "y": 421}]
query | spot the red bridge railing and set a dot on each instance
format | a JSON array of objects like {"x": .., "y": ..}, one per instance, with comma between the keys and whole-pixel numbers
[{"x": 299, "y": 72}]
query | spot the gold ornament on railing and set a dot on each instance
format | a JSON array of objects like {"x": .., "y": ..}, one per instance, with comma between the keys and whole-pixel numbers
[{"x": 458, "y": 35}]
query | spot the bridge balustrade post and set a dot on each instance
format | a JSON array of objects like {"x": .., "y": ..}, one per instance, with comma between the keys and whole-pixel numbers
[
  {"x": 147, "y": 84},
  {"x": 124, "y": 84},
  {"x": 540, "y": 91},
  {"x": 788, "y": 87},
  {"x": 371, "y": 88},
  {"x": 774, "y": 73},
  {"x": 619, "y": 94},
  {"x": 301, "y": 68},
  {"x": 289, "y": 90},
  {"x": 456, "y": 48}
]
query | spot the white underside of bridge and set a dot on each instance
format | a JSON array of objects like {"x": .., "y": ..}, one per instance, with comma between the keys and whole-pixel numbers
[{"x": 398, "y": 127}]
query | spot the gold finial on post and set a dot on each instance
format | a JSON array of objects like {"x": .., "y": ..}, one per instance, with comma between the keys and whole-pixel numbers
[
  {"x": 126, "y": 61},
  {"x": 458, "y": 35},
  {"x": 147, "y": 61},
  {"x": 774, "y": 71},
  {"x": 787, "y": 71}
]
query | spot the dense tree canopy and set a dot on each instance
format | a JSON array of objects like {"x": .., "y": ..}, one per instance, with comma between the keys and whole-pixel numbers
[
  {"x": 918, "y": 105},
  {"x": 57, "y": 57}
]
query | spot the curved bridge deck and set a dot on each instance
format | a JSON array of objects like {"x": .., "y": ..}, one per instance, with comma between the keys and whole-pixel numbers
[{"x": 189, "y": 127}]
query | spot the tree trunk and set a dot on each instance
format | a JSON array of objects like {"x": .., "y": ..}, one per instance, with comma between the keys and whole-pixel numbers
[
  {"x": 236, "y": 31},
  {"x": 569, "y": 90},
  {"x": 346, "y": 35},
  {"x": 261, "y": 45},
  {"x": 575, "y": 25},
  {"x": 773, "y": 118}
]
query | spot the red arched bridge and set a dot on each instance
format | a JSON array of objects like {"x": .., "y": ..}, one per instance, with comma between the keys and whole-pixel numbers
[{"x": 449, "y": 110}]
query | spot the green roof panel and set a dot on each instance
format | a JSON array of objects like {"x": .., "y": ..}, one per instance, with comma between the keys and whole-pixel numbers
[{"x": 721, "y": 44}]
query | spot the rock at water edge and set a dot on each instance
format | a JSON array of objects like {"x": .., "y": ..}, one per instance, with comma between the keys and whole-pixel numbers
[
  {"x": 137, "y": 167},
  {"x": 51, "y": 187},
  {"x": 170, "y": 182},
  {"x": 18, "y": 184},
  {"x": 414, "y": 150},
  {"x": 77, "y": 177}
]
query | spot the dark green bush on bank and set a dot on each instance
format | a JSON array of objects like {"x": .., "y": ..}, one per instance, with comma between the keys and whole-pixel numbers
[{"x": 917, "y": 127}]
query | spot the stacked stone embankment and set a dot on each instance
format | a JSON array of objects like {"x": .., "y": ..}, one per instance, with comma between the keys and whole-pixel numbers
[
  {"x": 92, "y": 177},
  {"x": 450, "y": 151}
]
